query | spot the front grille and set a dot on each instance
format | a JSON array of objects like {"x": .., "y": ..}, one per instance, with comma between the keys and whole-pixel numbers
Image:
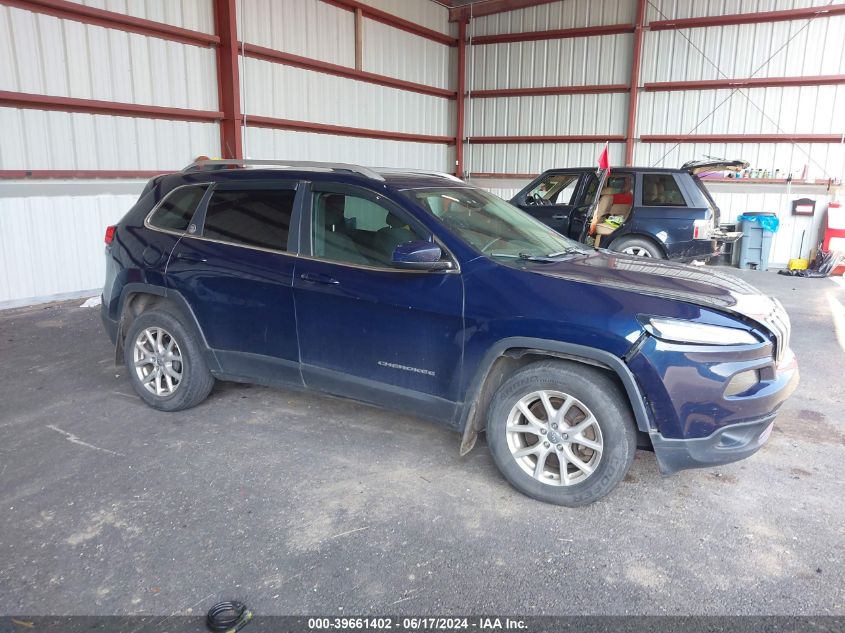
[{"x": 778, "y": 323}]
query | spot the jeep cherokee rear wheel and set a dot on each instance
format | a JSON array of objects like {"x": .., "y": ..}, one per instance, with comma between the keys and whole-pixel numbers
[
  {"x": 561, "y": 432},
  {"x": 165, "y": 362}
]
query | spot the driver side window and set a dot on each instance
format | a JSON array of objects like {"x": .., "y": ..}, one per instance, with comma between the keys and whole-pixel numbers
[
  {"x": 555, "y": 189},
  {"x": 356, "y": 230}
]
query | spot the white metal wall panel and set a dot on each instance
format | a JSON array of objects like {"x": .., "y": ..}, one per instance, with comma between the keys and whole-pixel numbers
[
  {"x": 283, "y": 144},
  {"x": 309, "y": 28},
  {"x": 566, "y": 14},
  {"x": 53, "y": 245},
  {"x": 805, "y": 110},
  {"x": 548, "y": 115},
  {"x": 423, "y": 12},
  {"x": 35, "y": 139},
  {"x": 46, "y": 55},
  {"x": 604, "y": 59},
  {"x": 533, "y": 158},
  {"x": 823, "y": 161},
  {"x": 397, "y": 53},
  {"x": 675, "y": 9},
  {"x": 197, "y": 15},
  {"x": 773, "y": 49},
  {"x": 323, "y": 98}
]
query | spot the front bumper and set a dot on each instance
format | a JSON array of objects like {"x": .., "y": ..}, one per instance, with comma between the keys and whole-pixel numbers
[{"x": 728, "y": 444}]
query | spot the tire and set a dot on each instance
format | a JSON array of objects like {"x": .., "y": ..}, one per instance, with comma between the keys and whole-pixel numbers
[
  {"x": 587, "y": 391},
  {"x": 637, "y": 247},
  {"x": 194, "y": 381}
]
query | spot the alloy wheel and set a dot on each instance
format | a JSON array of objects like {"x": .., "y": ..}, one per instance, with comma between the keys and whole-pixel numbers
[
  {"x": 636, "y": 251},
  {"x": 554, "y": 437},
  {"x": 158, "y": 361}
]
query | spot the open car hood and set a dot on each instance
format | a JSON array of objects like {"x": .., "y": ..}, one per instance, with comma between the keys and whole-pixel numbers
[{"x": 714, "y": 164}]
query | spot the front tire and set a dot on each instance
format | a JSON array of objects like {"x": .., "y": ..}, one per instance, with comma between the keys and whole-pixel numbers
[
  {"x": 561, "y": 432},
  {"x": 165, "y": 362}
]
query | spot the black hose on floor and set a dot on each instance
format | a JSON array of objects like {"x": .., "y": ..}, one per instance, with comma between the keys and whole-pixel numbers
[{"x": 229, "y": 616}]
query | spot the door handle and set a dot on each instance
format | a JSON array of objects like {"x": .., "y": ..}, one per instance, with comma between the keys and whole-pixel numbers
[
  {"x": 559, "y": 216},
  {"x": 319, "y": 278},
  {"x": 191, "y": 259}
]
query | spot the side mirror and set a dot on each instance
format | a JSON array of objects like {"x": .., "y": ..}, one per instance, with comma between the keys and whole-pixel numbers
[{"x": 419, "y": 255}]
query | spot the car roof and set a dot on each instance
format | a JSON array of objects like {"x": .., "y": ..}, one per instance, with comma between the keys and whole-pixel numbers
[{"x": 667, "y": 170}]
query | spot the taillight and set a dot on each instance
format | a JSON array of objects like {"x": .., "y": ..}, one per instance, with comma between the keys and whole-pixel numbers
[{"x": 110, "y": 231}]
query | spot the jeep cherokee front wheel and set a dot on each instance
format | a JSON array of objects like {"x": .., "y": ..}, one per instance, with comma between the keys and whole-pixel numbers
[{"x": 561, "y": 432}]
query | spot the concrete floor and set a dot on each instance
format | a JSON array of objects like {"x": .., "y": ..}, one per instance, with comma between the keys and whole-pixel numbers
[{"x": 109, "y": 507}]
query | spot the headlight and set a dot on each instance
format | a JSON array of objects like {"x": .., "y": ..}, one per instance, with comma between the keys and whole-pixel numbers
[{"x": 678, "y": 331}]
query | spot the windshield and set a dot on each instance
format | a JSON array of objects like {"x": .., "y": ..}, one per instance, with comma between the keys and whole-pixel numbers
[{"x": 491, "y": 225}]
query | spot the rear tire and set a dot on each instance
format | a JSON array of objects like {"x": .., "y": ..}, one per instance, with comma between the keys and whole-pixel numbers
[
  {"x": 582, "y": 461},
  {"x": 637, "y": 247},
  {"x": 165, "y": 362}
]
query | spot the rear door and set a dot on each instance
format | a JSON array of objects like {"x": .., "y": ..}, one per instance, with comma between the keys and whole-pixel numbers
[
  {"x": 236, "y": 272},
  {"x": 552, "y": 197}
]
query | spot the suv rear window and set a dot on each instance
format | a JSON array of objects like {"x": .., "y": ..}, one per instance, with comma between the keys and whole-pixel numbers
[
  {"x": 252, "y": 217},
  {"x": 177, "y": 209}
]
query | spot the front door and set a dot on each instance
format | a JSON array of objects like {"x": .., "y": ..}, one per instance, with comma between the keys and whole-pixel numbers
[
  {"x": 368, "y": 330},
  {"x": 237, "y": 275},
  {"x": 551, "y": 198}
]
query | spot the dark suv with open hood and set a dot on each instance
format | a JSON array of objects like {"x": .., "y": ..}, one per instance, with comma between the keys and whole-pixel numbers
[
  {"x": 415, "y": 291},
  {"x": 642, "y": 211}
]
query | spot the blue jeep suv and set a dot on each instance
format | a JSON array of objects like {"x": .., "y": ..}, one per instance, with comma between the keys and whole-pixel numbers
[{"x": 415, "y": 291}]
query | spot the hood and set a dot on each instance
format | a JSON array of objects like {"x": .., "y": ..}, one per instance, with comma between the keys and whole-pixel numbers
[{"x": 655, "y": 277}]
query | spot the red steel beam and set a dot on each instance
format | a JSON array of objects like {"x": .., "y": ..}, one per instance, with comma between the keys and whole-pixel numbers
[
  {"x": 583, "y": 138},
  {"x": 113, "y": 20},
  {"x": 394, "y": 21},
  {"x": 461, "y": 91},
  {"x": 633, "y": 99},
  {"x": 43, "y": 174},
  {"x": 553, "y": 34},
  {"x": 741, "y": 138},
  {"x": 550, "y": 90},
  {"x": 93, "y": 106},
  {"x": 279, "y": 57},
  {"x": 758, "y": 17},
  {"x": 340, "y": 130},
  {"x": 490, "y": 7},
  {"x": 228, "y": 79},
  {"x": 752, "y": 82}
]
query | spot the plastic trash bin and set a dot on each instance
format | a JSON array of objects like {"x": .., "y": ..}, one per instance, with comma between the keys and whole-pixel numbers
[{"x": 756, "y": 242}]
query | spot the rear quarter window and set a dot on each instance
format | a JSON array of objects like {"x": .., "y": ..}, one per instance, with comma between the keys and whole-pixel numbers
[{"x": 178, "y": 207}]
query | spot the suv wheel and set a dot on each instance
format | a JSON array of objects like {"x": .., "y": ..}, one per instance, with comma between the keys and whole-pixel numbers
[
  {"x": 165, "y": 362},
  {"x": 561, "y": 432},
  {"x": 637, "y": 246}
]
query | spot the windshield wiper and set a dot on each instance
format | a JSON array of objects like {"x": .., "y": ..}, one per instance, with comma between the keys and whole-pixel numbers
[{"x": 548, "y": 259}]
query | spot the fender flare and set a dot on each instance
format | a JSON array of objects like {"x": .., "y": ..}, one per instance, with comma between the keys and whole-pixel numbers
[
  {"x": 174, "y": 297},
  {"x": 641, "y": 236},
  {"x": 557, "y": 349}
]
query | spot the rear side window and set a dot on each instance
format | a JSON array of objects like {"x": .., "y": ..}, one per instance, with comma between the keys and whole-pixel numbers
[
  {"x": 252, "y": 217},
  {"x": 177, "y": 209},
  {"x": 661, "y": 190}
]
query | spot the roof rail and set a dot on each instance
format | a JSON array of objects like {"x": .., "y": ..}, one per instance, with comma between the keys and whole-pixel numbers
[
  {"x": 290, "y": 164},
  {"x": 428, "y": 172}
]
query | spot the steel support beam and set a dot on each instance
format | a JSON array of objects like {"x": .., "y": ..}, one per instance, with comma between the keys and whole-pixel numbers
[
  {"x": 461, "y": 92},
  {"x": 741, "y": 138},
  {"x": 394, "y": 21},
  {"x": 575, "y": 138},
  {"x": 490, "y": 7},
  {"x": 756, "y": 17},
  {"x": 550, "y": 90},
  {"x": 553, "y": 34},
  {"x": 634, "y": 94},
  {"x": 753, "y": 82},
  {"x": 228, "y": 79},
  {"x": 341, "y": 130}
]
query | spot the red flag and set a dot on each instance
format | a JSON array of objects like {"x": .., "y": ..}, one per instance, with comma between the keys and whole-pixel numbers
[{"x": 604, "y": 163}]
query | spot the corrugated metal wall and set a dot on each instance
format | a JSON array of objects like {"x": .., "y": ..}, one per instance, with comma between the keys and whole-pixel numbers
[
  {"x": 51, "y": 234},
  {"x": 326, "y": 32}
]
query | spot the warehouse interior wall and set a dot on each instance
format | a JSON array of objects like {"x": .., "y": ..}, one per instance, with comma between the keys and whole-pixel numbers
[{"x": 96, "y": 96}]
